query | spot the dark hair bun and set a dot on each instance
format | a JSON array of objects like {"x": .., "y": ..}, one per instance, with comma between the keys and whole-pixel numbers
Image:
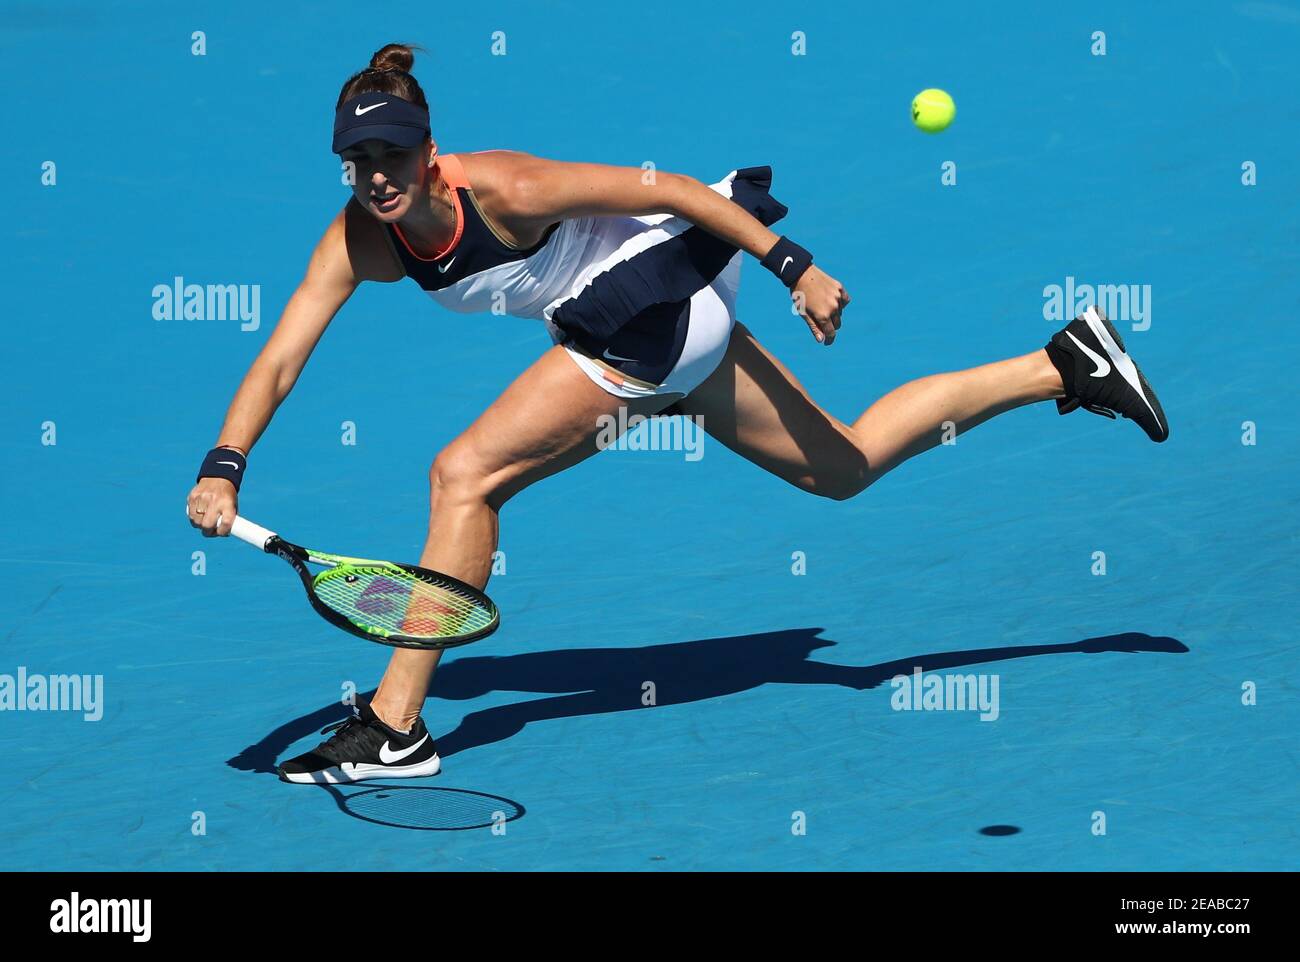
[
  {"x": 389, "y": 73},
  {"x": 393, "y": 56}
]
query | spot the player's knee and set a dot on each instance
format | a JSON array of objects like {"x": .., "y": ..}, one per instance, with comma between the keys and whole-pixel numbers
[
  {"x": 842, "y": 482},
  {"x": 457, "y": 474},
  {"x": 843, "y": 487}
]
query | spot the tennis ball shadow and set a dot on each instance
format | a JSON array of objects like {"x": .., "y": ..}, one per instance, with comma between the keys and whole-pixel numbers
[
  {"x": 1000, "y": 830},
  {"x": 596, "y": 681}
]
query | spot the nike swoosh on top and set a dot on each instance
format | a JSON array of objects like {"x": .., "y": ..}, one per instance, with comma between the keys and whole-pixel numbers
[
  {"x": 442, "y": 268},
  {"x": 1125, "y": 367},
  {"x": 388, "y": 757},
  {"x": 367, "y": 110},
  {"x": 615, "y": 357},
  {"x": 1103, "y": 365}
]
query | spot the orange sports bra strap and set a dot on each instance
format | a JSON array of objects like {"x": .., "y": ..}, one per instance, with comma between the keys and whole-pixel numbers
[{"x": 453, "y": 172}]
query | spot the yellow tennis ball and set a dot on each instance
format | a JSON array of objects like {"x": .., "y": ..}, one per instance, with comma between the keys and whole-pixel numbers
[{"x": 933, "y": 110}]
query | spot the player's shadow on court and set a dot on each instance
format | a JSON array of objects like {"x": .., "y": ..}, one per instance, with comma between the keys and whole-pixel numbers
[
  {"x": 602, "y": 680},
  {"x": 597, "y": 681}
]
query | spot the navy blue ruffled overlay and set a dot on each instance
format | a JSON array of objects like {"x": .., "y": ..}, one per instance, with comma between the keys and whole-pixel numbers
[{"x": 666, "y": 274}]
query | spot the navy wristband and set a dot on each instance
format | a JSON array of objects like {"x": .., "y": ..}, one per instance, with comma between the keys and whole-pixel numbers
[
  {"x": 787, "y": 260},
  {"x": 224, "y": 463}
]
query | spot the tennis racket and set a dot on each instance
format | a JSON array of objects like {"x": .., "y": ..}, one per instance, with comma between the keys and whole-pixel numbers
[{"x": 384, "y": 601}]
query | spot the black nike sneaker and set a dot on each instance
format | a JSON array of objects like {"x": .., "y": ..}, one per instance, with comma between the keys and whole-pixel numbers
[
  {"x": 363, "y": 747},
  {"x": 1100, "y": 377}
]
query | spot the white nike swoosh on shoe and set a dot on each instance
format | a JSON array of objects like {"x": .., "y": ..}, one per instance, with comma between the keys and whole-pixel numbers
[
  {"x": 442, "y": 268},
  {"x": 1103, "y": 365},
  {"x": 370, "y": 108},
  {"x": 1123, "y": 363},
  {"x": 388, "y": 757}
]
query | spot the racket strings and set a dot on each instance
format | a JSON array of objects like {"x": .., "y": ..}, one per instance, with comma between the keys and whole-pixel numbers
[{"x": 395, "y": 601}]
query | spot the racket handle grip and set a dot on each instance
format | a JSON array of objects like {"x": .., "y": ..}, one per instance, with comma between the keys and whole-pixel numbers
[{"x": 254, "y": 534}]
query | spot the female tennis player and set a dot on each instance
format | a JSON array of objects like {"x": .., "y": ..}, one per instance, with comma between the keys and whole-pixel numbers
[{"x": 635, "y": 277}]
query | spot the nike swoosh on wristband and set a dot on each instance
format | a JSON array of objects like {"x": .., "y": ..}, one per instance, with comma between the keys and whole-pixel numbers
[
  {"x": 367, "y": 110},
  {"x": 443, "y": 268},
  {"x": 388, "y": 757},
  {"x": 231, "y": 463},
  {"x": 784, "y": 264},
  {"x": 1103, "y": 365}
]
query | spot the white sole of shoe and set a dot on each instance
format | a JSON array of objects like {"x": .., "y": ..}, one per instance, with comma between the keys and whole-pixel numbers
[
  {"x": 1118, "y": 358},
  {"x": 348, "y": 772}
]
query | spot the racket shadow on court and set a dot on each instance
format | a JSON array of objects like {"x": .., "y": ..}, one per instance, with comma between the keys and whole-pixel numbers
[
  {"x": 424, "y": 808},
  {"x": 597, "y": 681}
]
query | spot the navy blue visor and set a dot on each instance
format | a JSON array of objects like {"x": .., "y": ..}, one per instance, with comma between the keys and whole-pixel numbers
[{"x": 380, "y": 116}]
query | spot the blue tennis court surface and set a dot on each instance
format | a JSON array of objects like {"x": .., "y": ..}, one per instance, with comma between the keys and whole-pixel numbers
[{"x": 694, "y": 666}]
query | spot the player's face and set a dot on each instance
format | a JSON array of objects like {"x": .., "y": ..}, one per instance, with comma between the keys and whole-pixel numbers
[{"x": 385, "y": 176}]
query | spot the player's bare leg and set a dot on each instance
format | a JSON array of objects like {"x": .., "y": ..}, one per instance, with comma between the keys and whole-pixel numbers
[
  {"x": 755, "y": 406},
  {"x": 514, "y": 443}
]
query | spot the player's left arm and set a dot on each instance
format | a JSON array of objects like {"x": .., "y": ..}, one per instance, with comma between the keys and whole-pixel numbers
[{"x": 541, "y": 191}]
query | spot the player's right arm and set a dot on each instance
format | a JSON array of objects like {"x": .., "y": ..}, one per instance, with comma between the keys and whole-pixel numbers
[{"x": 352, "y": 250}]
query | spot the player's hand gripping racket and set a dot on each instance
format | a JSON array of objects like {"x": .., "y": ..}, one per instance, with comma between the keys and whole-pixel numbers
[{"x": 393, "y": 604}]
